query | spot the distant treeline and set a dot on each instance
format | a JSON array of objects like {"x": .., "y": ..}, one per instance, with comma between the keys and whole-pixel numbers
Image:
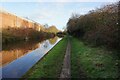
[
  {"x": 20, "y": 34},
  {"x": 100, "y": 26},
  {"x": 10, "y": 35}
]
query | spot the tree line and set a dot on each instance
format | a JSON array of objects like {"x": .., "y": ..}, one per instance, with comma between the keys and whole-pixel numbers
[{"x": 100, "y": 26}]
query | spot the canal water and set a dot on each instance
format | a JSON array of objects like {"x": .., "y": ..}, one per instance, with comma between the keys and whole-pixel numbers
[{"x": 18, "y": 58}]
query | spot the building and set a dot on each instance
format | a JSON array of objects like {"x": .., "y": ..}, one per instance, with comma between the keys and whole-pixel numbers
[{"x": 9, "y": 20}]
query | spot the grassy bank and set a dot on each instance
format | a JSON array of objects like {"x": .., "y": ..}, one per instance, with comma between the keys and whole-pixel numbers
[
  {"x": 92, "y": 62},
  {"x": 50, "y": 66}
]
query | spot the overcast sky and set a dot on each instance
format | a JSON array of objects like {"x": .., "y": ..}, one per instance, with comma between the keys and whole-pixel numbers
[{"x": 53, "y": 12}]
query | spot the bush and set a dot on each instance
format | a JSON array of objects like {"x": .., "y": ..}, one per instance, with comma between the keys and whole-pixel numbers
[
  {"x": 18, "y": 34},
  {"x": 99, "y": 26}
]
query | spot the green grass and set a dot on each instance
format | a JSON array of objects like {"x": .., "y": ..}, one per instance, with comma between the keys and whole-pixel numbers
[
  {"x": 50, "y": 66},
  {"x": 93, "y": 62}
]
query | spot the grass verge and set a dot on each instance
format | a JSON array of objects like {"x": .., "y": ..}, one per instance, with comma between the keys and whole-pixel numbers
[
  {"x": 92, "y": 62},
  {"x": 50, "y": 66}
]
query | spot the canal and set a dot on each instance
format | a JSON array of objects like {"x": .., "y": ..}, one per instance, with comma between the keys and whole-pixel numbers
[{"x": 18, "y": 58}]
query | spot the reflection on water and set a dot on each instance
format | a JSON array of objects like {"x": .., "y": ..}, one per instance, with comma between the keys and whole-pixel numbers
[
  {"x": 15, "y": 51},
  {"x": 52, "y": 41},
  {"x": 19, "y": 58}
]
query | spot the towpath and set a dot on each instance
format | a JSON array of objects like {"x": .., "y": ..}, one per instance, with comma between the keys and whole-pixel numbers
[{"x": 66, "y": 73}]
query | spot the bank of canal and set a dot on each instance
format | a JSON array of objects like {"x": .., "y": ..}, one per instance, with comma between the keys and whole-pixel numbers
[
  {"x": 49, "y": 66},
  {"x": 16, "y": 61}
]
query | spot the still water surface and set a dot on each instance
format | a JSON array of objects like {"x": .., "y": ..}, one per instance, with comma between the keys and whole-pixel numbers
[{"x": 17, "y": 59}]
